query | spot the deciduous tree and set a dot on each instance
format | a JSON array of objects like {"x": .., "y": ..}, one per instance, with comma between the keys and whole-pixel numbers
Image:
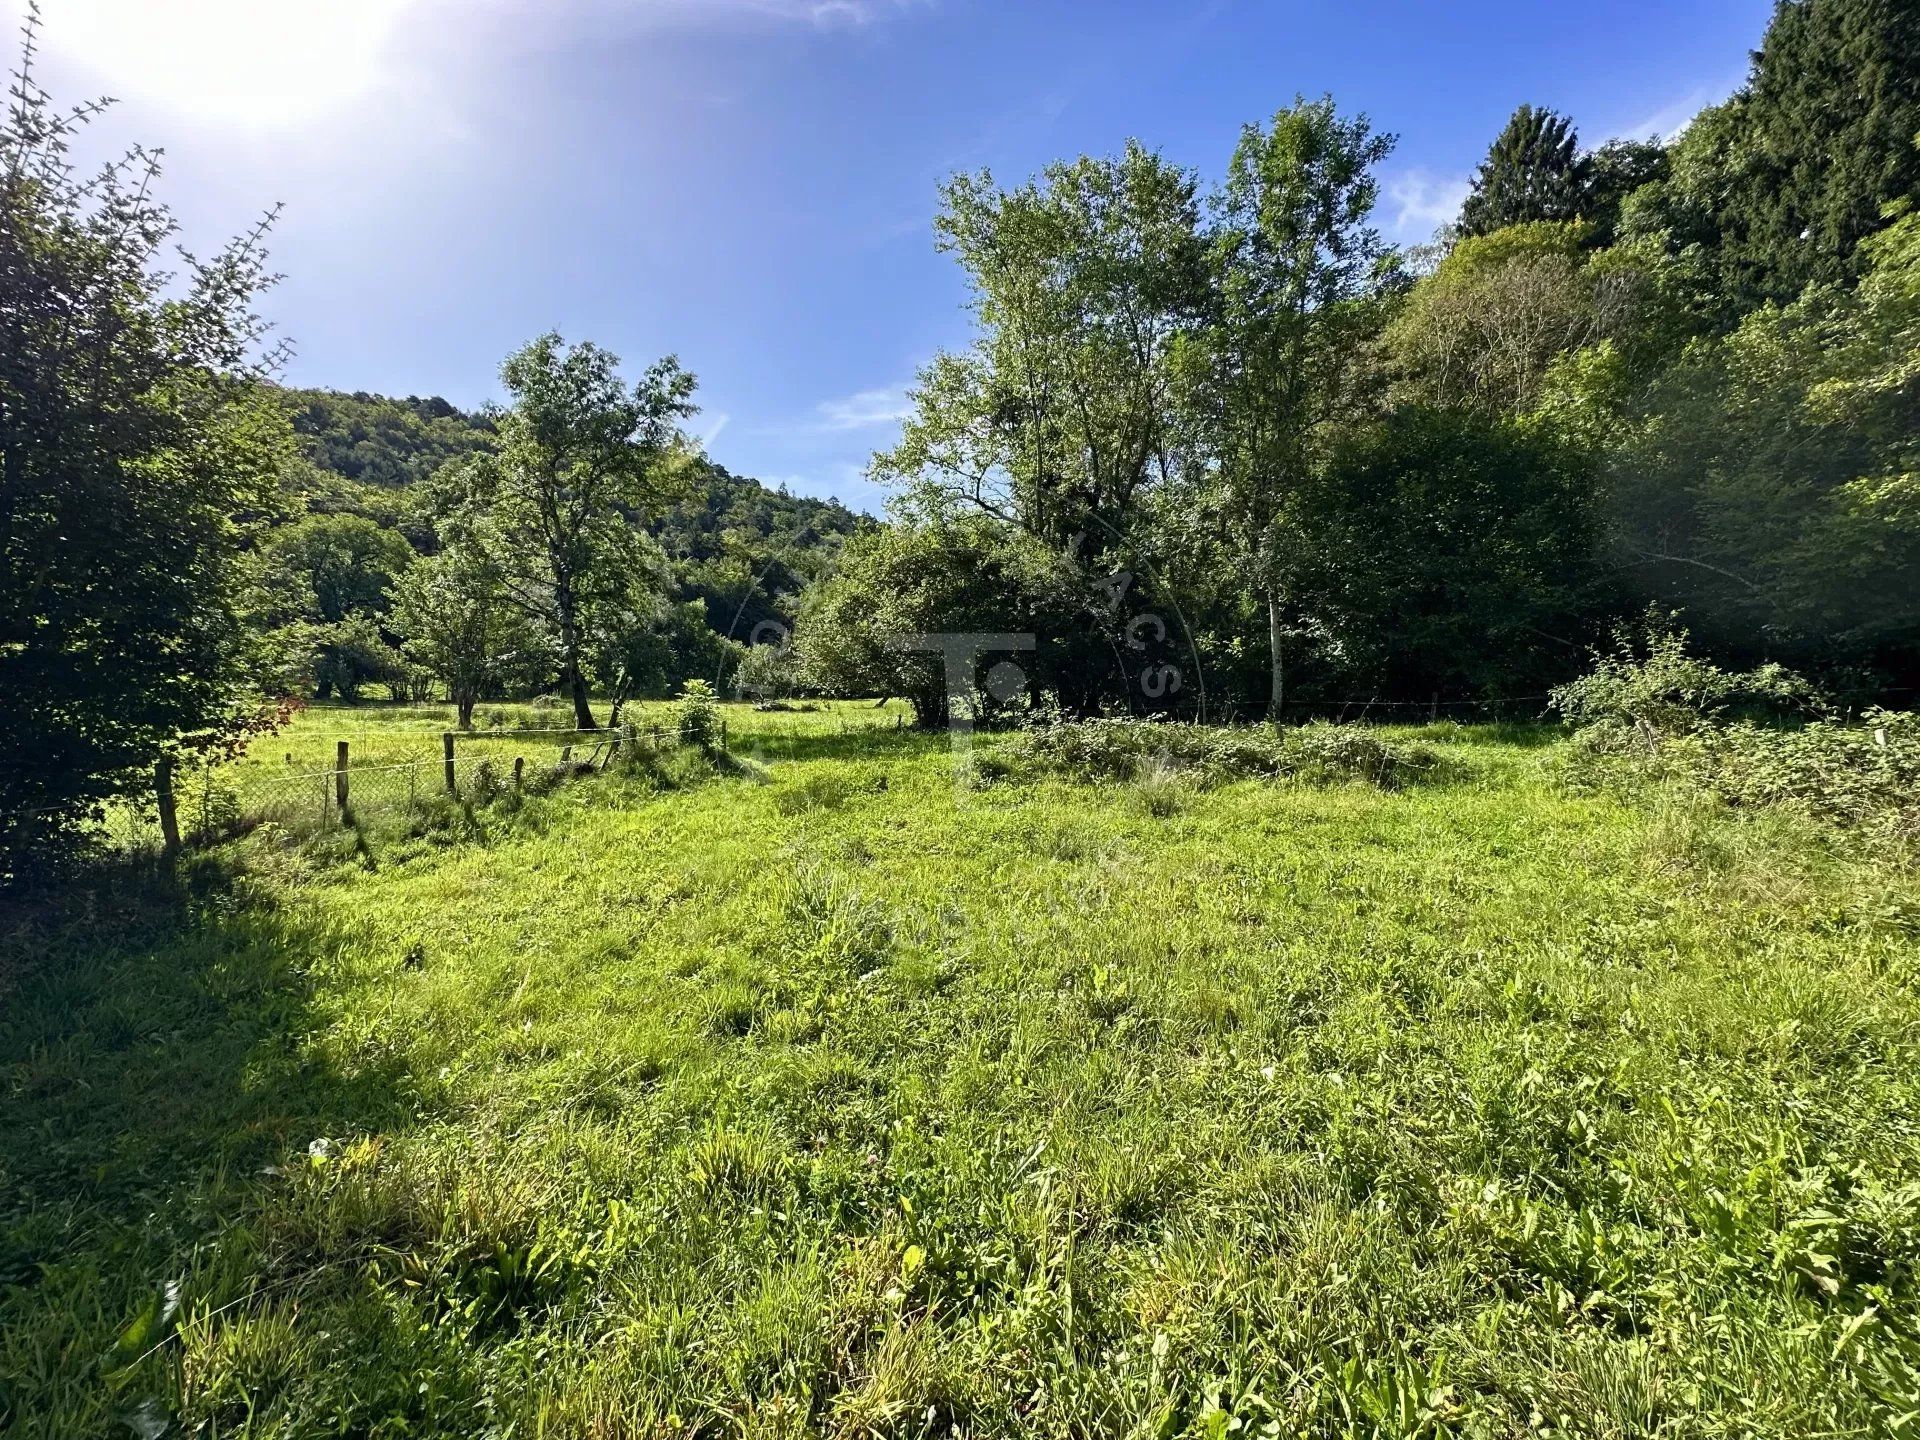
[
  {"x": 137, "y": 449},
  {"x": 1294, "y": 256},
  {"x": 553, "y": 509},
  {"x": 1061, "y": 414}
]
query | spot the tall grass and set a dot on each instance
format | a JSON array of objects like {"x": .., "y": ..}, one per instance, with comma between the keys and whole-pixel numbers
[{"x": 829, "y": 1097}]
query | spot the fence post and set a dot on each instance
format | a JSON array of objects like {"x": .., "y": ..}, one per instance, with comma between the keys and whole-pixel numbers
[
  {"x": 446, "y": 751},
  {"x": 340, "y": 778},
  {"x": 169, "y": 817},
  {"x": 724, "y": 750},
  {"x": 519, "y": 765}
]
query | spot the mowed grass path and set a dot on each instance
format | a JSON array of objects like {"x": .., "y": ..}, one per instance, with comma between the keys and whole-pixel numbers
[{"x": 843, "y": 1101}]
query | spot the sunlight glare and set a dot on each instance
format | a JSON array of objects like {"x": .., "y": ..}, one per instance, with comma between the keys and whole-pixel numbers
[{"x": 258, "y": 62}]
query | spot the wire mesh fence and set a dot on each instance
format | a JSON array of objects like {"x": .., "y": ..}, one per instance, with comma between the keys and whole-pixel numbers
[
  {"x": 304, "y": 782},
  {"x": 364, "y": 780}
]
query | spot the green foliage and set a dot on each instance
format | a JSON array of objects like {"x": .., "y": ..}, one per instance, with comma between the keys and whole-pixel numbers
[
  {"x": 1779, "y": 186},
  {"x": 1535, "y": 174},
  {"x": 348, "y": 564},
  {"x": 1059, "y": 417},
  {"x": 1449, "y": 555},
  {"x": 1615, "y": 172},
  {"x": 1486, "y": 328},
  {"x": 1862, "y": 777},
  {"x": 744, "y": 553},
  {"x": 1294, "y": 256},
  {"x": 1651, "y": 711},
  {"x": 1766, "y": 483},
  {"x": 550, "y": 508},
  {"x": 1156, "y": 751},
  {"x": 696, "y": 715},
  {"x": 1652, "y": 683},
  {"x": 1532, "y": 173},
  {"x": 376, "y": 441},
  {"x": 459, "y": 626},
  {"x": 856, "y": 630},
  {"x": 351, "y": 654},
  {"x": 137, "y": 453},
  {"x": 767, "y": 674}
]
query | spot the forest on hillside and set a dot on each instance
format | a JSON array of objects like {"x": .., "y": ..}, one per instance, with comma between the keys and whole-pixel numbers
[{"x": 723, "y": 557}]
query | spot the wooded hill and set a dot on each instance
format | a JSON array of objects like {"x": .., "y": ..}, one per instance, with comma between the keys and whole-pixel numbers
[{"x": 359, "y": 504}]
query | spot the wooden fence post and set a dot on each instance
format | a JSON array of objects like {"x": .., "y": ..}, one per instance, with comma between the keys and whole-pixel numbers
[
  {"x": 340, "y": 778},
  {"x": 519, "y": 765},
  {"x": 446, "y": 750},
  {"x": 169, "y": 817},
  {"x": 724, "y": 750}
]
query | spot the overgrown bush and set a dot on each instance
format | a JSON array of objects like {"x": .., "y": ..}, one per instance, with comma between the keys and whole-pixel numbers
[
  {"x": 1652, "y": 712},
  {"x": 696, "y": 715},
  {"x": 1649, "y": 685},
  {"x": 1863, "y": 777},
  {"x": 1126, "y": 749}
]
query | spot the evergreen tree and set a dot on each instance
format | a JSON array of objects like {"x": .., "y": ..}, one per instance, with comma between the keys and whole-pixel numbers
[
  {"x": 1781, "y": 183},
  {"x": 1533, "y": 172},
  {"x": 1836, "y": 104}
]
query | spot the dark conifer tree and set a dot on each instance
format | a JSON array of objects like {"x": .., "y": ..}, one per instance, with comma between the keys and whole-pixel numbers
[{"x": 1533, "y": 172}]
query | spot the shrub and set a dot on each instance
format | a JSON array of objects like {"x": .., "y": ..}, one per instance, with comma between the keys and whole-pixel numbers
[
  {"x": 696, "y": 715},
  {"x": 1669, "y": 715},
  {"x": 1127, "y": 749},
  {"x": 1862, "y": 777},
  {"x": 1649, "y": 685}
]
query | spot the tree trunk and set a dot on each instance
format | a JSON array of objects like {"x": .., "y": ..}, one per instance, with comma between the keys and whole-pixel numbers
[
  {"x": 1277, "y": 702},
  {"x": 571, "y": 674},
  {"x": 465, "y": 702}
]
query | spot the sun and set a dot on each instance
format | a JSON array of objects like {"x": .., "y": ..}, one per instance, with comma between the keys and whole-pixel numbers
[{"x": 255, "y": 63}]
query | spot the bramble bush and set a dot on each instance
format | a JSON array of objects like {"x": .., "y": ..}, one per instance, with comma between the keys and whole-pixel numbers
[
  {"x": 1651, "y": 685},
  {"x": 1655, "y": 712},
  {"x": 1127, "y": 748},
  {"x": 1861, "y": 777}
]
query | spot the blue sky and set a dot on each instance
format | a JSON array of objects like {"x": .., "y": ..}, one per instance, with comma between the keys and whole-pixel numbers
[{"x": 750, "y": 183}]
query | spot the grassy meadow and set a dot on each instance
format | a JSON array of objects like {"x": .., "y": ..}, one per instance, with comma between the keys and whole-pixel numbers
[{"x": 813, "y": 1094}]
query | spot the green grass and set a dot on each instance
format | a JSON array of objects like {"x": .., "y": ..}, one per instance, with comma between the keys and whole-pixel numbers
[{"x": 827, "y": 1098}]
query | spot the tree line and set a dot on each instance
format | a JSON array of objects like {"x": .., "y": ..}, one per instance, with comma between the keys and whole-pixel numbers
[
  {"x": 1649, "y": 374},
  {"x": 375, "y": 485}
]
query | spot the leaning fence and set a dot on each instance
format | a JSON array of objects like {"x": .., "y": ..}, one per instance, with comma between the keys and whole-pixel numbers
[
  {"x": 194, "y": 803},
  {"x": 327, "y": 782}
]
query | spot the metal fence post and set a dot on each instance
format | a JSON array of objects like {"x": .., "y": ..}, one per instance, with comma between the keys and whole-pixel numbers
[
  {"x": 446, "y": 750},
  {"x": 169, "y": 817}
]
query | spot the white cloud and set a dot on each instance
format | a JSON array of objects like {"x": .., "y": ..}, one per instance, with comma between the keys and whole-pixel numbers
[
  {"x": 1423, "y": 202},
  {"x": 867, "y": 410},
  {"x": 1671, "y": 120}
]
